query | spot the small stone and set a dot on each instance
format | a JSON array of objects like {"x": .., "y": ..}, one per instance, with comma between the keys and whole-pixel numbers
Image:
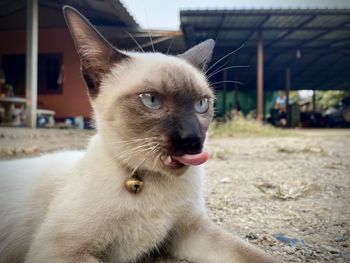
[
  {"x": 226, "y": 180},
  {"x": 31, "y": 149},
  {"x": 345, "y": 255},
  {"x": 339, "y": 238},
  {"x": 331, "y": 250},
  {"x": 251, "y": 236},
  {"x": 11, "y": 152},
  {"x": 290, "y": 250},
  {"x": 316, "y": 149}
]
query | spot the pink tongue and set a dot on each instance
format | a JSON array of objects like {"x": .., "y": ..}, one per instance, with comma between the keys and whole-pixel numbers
[{"x": 192, "y": 159}]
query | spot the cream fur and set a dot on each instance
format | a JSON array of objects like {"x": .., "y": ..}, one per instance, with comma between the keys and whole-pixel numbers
[
  {"x": 72, "y": 206},
  {"x": 64, "y": 211}
]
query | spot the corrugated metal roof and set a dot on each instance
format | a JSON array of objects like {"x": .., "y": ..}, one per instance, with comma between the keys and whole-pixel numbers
[
  {"x": 319, "y": 35},
  {"x": 103, "y": 12},
  {"x": 100, "y": 12}
]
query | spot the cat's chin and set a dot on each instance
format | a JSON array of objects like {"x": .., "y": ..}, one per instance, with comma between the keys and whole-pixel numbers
[{"x": 175, "y": 171}]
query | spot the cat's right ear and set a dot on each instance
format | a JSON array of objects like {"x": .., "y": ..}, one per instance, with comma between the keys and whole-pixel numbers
[
  {"x": 200, "y": 55},
  {"x": 96, "y": 54}
]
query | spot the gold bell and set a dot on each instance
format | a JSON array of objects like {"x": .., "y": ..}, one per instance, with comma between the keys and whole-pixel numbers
[{"x": 134, "y": 184}]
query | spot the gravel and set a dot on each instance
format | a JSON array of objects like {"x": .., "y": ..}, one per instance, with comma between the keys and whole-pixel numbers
[{"x": 287, "y": 195}]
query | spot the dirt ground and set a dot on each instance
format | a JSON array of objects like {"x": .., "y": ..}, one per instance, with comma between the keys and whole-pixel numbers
[{"x": 288, "y": 195}]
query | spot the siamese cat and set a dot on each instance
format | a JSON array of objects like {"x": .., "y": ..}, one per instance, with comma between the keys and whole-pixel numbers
[{"x": 152, "y": 112}]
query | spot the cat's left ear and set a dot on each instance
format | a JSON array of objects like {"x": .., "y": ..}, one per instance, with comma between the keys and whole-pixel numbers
[{"x": 200, "y": 55}]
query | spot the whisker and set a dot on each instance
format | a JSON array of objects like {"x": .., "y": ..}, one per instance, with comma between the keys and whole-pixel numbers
[
  {"x": 150, "y": 37},
  {"x": 134, "y": 140},
  {"x": 121, "y": 144},
  {"x": 170, "y": 45},
  {"x": 229, "y": 54},
  {"x": 156, "y": 157},
  {"x": 227, "y": 81},
  {"x": 137, "y": 167},
  {"x": 111, "y": 162},
  {"x": 218, "y": 71},
  {"x": 137, "y": 139},
  {"x": 133, "y": 147},
  {"x": 137, "y": 43},
  {"x": 155, "y": 160},
  {"x": 146, "y": 145},
  {"x": 220, "y": 67},
  {"x": 153, "y": 150},
  {"x": 128, "y": 154},
  {"x": 147, "y": 154}
]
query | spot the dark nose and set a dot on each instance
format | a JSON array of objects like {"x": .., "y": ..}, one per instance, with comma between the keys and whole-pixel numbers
[
  {"x": 190, "y": 144},
  {"x": 187, "y": 137}
]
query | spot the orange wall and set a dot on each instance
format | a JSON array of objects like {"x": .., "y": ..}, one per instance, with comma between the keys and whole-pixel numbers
[{"x": 74, "y": 100}]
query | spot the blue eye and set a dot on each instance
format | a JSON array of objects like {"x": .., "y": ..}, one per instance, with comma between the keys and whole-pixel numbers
[
  {"x": 150, "y": 101},
  {"x": 202, "y": 105}
]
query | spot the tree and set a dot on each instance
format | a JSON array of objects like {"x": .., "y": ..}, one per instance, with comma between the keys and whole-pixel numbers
[{"x": 330, "y": 98}]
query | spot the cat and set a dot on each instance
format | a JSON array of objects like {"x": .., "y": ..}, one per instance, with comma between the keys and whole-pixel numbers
[{"x": 152, "y": 112}]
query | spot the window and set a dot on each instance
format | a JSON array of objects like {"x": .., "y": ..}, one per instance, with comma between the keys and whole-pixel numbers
[
  {"x": 49, "y": 70},
  {"x": 14, "y": 70},
  {"x": 49, "y": 73}
]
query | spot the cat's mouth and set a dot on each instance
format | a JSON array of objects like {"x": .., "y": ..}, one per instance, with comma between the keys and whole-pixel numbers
[{"x": 179, "y": 161}]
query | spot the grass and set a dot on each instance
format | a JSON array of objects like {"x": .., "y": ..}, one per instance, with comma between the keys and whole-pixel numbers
[{"x": 242, "y": 127}]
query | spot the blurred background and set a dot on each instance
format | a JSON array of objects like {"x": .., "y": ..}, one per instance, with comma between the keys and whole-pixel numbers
[{"x": 285, "y": 64}]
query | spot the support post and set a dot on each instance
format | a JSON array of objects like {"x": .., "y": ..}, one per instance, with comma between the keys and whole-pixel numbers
[
  {"x": 225, "y": 90},
  {"x": 260, "y": 77},
  {"x": 314, "y": 101},
  {"x": 288, "y": 84},
  {"x": 32, "y": 61}
]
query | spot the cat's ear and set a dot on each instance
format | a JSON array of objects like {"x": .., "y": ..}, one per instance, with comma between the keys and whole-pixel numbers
[
  {"x": 200, "y": 55},
  {"x": 96, "y": 54}
]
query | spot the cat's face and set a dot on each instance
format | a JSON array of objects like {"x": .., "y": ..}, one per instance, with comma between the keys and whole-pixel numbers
[{"x": 151, "y": 110}]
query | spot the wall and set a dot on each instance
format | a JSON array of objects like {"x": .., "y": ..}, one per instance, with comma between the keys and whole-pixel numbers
[{"x": 74, "y": 100}]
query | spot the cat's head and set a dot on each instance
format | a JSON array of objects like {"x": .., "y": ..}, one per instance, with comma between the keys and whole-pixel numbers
[{"x": 152, "y": 110}]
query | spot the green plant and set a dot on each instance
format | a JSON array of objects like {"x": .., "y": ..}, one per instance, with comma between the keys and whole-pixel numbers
[{"x": 329, "y": 98}]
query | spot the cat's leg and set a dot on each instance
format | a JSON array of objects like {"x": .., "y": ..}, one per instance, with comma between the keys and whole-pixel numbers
[
  {"x": 59, "y": 253},
  {"x": 86, "y": 259},
  {"x": 58, "y": 242},
  {"x": 199, "y": 240},
  {"x": 43, "y": 257}
]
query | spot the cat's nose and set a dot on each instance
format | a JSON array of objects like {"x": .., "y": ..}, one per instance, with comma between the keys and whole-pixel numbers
[
  {"x": 191, "y": 144},
  {"x": 187, "y": 136}
]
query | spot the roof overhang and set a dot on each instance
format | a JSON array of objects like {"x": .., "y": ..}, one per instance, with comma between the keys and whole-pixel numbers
[
  {"x": 313, "y": 43},
  {"x": 99, "y": 12},
  {"x": 109, "y": 16}
]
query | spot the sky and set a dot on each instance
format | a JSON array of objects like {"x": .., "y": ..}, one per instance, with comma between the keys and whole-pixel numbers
[{"x": 163, "y": 14}]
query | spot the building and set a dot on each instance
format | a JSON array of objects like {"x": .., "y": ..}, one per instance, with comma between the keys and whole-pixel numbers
[
  {"x": 35, "y": 29},
  {"x": 272, "y": 49}
]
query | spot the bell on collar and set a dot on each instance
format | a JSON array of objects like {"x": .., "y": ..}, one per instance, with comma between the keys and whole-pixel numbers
[{"x": 134, "y": 184}]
